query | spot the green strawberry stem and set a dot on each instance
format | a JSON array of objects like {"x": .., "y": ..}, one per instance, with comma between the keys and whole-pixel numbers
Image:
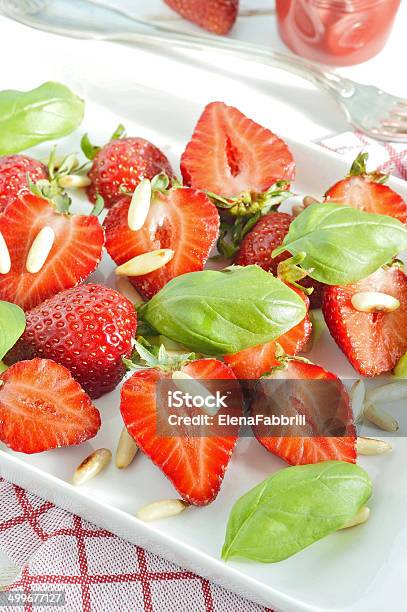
[
  {"x": 146, "y": 355},
  {"x": 90, "y": 150}
]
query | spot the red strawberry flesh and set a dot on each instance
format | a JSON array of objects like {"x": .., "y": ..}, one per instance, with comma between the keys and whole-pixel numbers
[
  {"x": 184, "y": 220},
  {"x": 76, "y": 251},
  {"x": 373, "y": 342},
  {"x": 318, "y": 395},
  {"x": 195, "y": 465},
  {"x": 367, "y": 195},
  {"x": 229, "y": 154},
  {"x": 43, "y": 407}
]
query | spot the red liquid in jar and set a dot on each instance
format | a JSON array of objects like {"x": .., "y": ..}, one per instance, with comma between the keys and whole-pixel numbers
[{"x": 340, "y": 32}]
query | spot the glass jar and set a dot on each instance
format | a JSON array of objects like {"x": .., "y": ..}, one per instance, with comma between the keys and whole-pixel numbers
[{"x": 339, "y": 32}]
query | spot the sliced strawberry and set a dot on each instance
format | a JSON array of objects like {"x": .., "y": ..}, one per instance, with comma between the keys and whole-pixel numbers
[
  {"x": 217, "y": 16},
  {"x": 372, "y": 341},
  {"x": 13, "y": 175},
  {"x": 184, "y": 220},
  {"x": 365, "y": 190},
  {"x": 258, "y": 245},
  {"x": 230, "y": 154},
  {"x": 195, "y": 465},
  {"x": 318, "y": 395},
  {"x": 43, "y": 407},
  {"x": 76, "y": 251},
  {"x": 253, "y": 362}
]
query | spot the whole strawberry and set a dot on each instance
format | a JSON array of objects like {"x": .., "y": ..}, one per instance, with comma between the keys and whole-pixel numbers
[
  {"x": 13, "y": 175},
  {"x": 258, "y": 245},
  {"x": 217, "y": 16},
  {"x": 120, "y": 165},
  {"x": 88, "y": 329}
]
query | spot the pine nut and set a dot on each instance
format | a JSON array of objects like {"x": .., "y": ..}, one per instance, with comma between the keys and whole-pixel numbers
[
  {"x": 5, "y": 261},
  {"x": 143, "y": 264},
  {"x": 139, "y": 205},
  {"x": 125, "y": 287},
  {"x": 361, "y": 517},
  {"x": 374, "y": 301},
  {"x": 308, "y": 200},
  {"x": 391, "y": 392},
  {"x": 162, "y": 509},
  {"x": 297, "y": 209},
  {"x": 357, "y": 397},
  {"x": 126, "y": 450},
  {"x": 40, "y": 249},
  {"x": 372, "y": 446},
  {"x": 74, "y": 181},
  {"x": 91, "y": 466},
  {"x": 380, "y": 417}
]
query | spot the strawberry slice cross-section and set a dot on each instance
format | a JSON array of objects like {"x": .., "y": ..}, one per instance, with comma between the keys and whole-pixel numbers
[
  {"x": 230, "y": 154},
  {"x": 194, "y": 464},
  {"x": 299, "y": 388},
  {"x": 181, "y": 219},
  {"x": 43, "y": 407},
  {"x": 74, "y": 255}
]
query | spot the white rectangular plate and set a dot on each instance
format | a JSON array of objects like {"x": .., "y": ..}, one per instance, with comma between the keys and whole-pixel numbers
[{"x": 361, "y": 570}]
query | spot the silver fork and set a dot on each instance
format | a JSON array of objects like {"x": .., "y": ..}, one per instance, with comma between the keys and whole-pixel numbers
[{"x": 377, "y": 113}]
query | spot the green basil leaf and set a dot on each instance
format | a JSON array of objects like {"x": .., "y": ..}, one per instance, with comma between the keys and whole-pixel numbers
[
  {"x": 12, "y": 325},
  {"x": 294, "y": 508},
  {"x": 30, "y": 117},
  {"x": 217, "y": 313},
  {"x": 343, "y": 244}
]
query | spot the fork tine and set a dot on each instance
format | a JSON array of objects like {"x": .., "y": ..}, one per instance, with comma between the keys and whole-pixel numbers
[{"x": 394, "y": 125}]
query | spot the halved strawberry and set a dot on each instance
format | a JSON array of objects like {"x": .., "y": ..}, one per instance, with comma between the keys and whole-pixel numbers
[
  {"x": 366, "y": 191},
  {"x": 75, "y": 253},
  {"x": 43, "y": 407},
  {"x": 372, "y": 341},
  {"x": 308, "y": 390},
  {"x": 230, "y": 154},
  {"x": 253, "y": 362},
  {"x": 181, "y": 219},
  {"x": 195, "y": 465}
]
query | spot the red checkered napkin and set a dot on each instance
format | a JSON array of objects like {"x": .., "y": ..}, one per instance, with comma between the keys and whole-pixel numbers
[{"x": 98, "y": 571}]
